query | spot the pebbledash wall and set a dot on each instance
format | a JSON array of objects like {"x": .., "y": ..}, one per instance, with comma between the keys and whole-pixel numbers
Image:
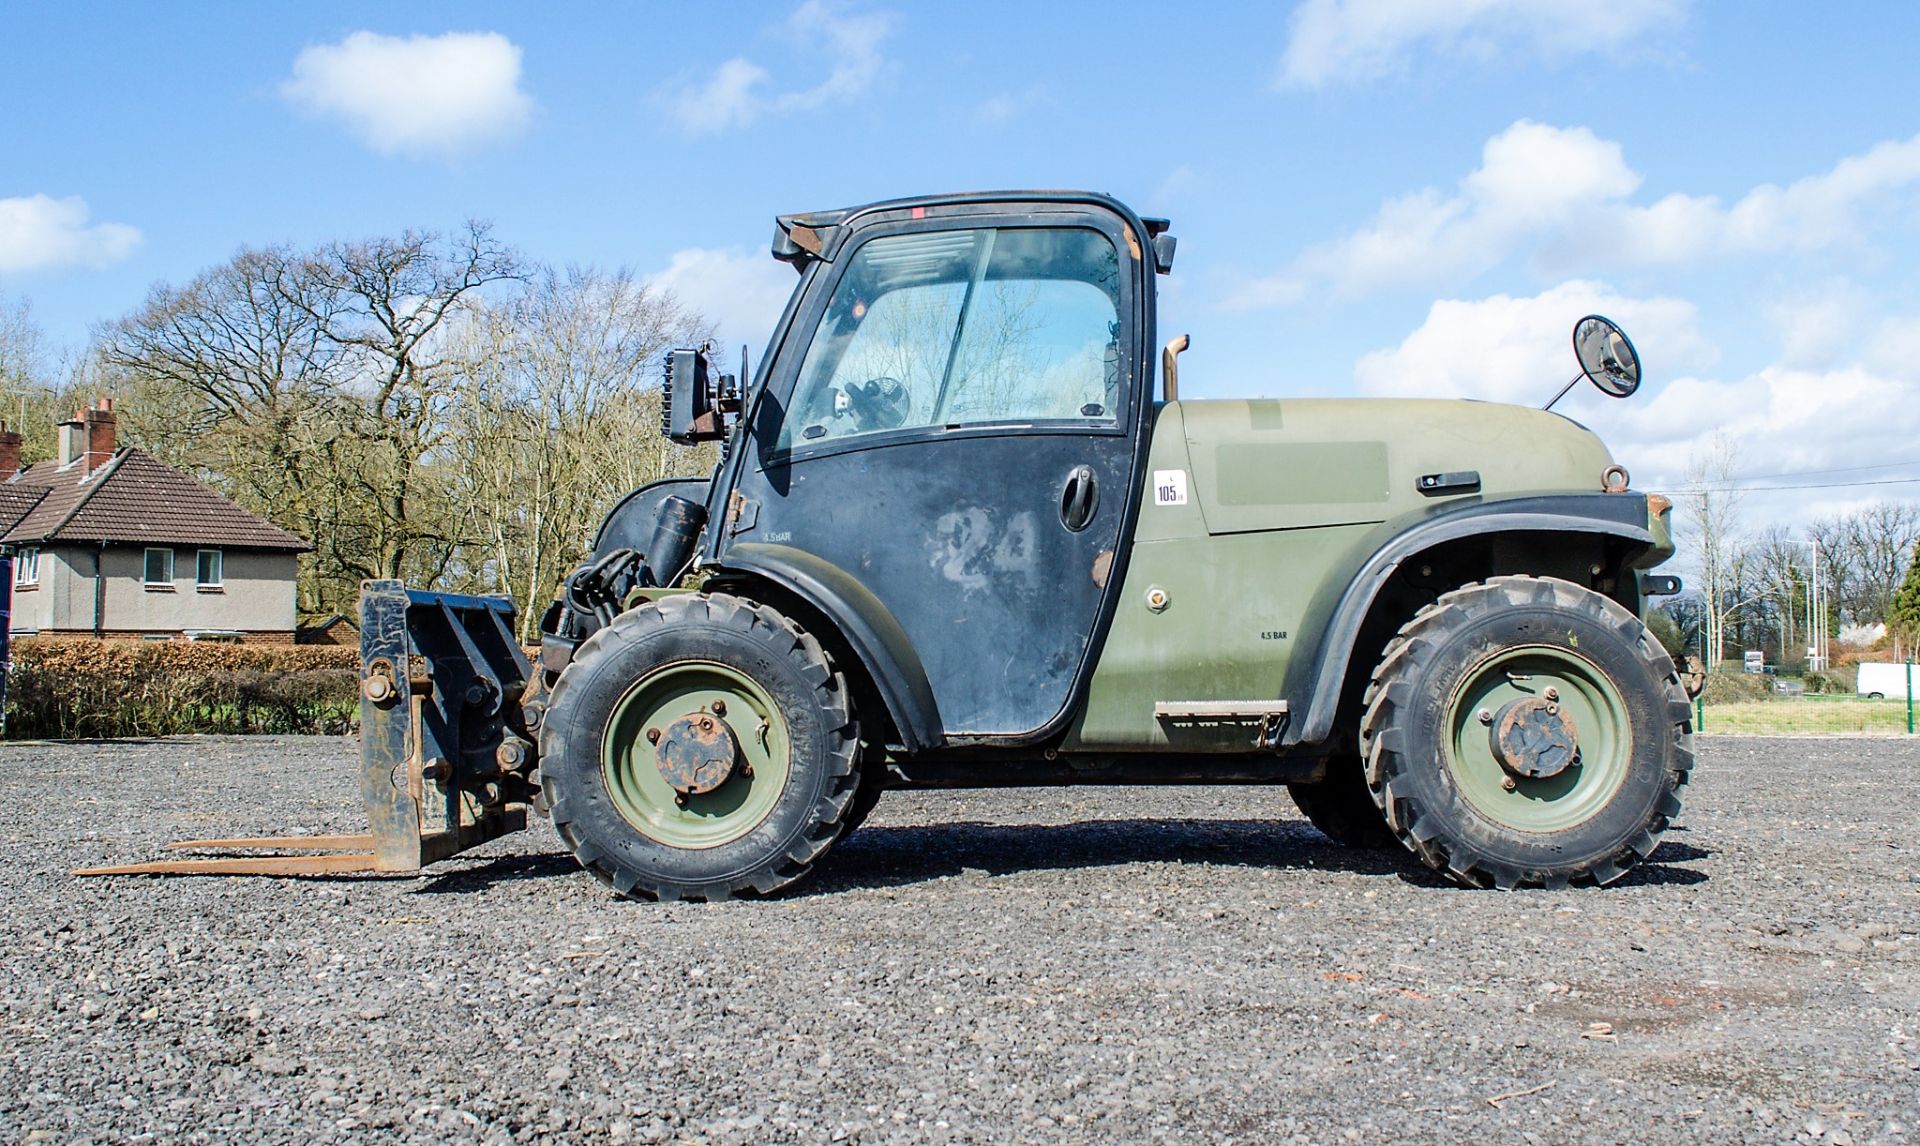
[{"x": 255, "y": 600}]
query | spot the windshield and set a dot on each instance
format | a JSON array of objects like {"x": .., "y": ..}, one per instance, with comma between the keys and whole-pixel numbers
[{"x": 953, "y": 328}]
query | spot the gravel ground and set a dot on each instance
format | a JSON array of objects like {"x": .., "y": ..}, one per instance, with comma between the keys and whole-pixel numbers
[{"x": 1092, "y": 965}]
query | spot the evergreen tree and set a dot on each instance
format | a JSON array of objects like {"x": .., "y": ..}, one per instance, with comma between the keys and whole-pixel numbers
[{"x": 1904, "y": 617}]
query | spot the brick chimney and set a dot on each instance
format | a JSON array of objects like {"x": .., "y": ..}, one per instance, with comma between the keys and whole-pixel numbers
[
  {"x": 9, "y": 452},
  {"x": 99, "y": 437}
]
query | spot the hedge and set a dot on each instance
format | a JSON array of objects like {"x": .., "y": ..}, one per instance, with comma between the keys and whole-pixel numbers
[{"x": 76, "y": 687}]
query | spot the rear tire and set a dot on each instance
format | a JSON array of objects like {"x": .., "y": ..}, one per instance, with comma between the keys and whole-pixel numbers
[
  {"x": 793, "y": 736},
  {"x": 1342, "y": 807},
  {"x": 1459, "y": 800}
]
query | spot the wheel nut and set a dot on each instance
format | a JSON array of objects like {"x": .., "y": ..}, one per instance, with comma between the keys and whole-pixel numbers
[
  {"x": 719, "y": 708},
  {"x": 1553, "y": 710},
  {"x": 1509, "y": 783},
  {"x": 1486, "y": 716},
  {"x": 1552, "y": 693},
  {"x": 706, "y": 724},
  {"x": 653, "y": 736}
]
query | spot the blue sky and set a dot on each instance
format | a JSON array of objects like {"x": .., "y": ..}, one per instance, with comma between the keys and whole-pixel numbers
[{"x": 1402, "y": 196}]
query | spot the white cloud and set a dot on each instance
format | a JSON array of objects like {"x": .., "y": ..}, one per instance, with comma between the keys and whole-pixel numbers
[
  {"x": 1564, "y": 195},
  {"x": 1179, "y": 183},
  {"x": 1821, "y": 326},
  {"x": 741, "y": 292},
  {"x": 1007, "y": 106},
  {"x": 1893, "y": 346},
  {"x": 1781, "y": 421},
  {"x": 1508, "y": 349},
  {"x": 736, "y": 94},
  {"x": 1342, "y": 41},
  {"x": 1532, "y": 177},
  {"x": 414, "y": 96},
  {"x": 729, "y": 99},
  {"x": 1820, "y": 211},
  {"x": 1781, "y": 418},
  {"x": 39, "y": 232}
]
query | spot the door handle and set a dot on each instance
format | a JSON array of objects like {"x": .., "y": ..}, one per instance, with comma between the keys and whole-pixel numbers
[{"x": 1079, "y": 498}]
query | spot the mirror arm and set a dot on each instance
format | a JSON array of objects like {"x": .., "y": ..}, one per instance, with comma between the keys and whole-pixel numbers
[{"x": 1563, "y": 391}]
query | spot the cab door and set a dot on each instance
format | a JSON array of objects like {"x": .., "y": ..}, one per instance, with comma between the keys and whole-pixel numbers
[{"x": 954, "y": 421}]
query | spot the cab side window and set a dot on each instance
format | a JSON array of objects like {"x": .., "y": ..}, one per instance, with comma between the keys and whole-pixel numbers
[{"x": 957, "y": 328}]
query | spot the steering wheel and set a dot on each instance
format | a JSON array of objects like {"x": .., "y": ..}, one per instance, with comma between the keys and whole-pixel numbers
[{"x": 878, "y": 403}]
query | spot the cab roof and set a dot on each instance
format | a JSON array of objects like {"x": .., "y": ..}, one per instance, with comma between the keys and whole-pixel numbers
[{"x": 802, "y": 237}]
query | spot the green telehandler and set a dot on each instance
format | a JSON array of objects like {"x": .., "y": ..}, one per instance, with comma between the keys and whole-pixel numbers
[{"x": 965, "y": 533}]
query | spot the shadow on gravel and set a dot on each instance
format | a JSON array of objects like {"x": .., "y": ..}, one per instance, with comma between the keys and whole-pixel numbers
[
  {"x": 506, "y": 869},
  {"x": 887, "y": 857},
  {"x": 891, "y": 857},
  {"x": 1659, "y": 869}
]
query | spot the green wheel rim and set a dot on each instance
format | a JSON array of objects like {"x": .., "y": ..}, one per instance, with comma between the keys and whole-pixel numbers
[
  {"x": 1551, "y": 803},
  {"x": 709, "y": 819}
]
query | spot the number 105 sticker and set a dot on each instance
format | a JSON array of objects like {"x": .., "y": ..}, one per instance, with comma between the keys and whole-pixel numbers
[{"x": 1169, "y": 487}]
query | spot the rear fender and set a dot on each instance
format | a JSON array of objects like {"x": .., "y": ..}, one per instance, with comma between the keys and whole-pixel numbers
[
  {"x": 630, "y": 524},
  {"x": 1619, "y": 515},
  {"x": 862, "y": 621}
]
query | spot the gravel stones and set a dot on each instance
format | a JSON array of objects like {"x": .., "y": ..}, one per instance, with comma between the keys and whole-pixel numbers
[{"x": 1081, "y": 965}]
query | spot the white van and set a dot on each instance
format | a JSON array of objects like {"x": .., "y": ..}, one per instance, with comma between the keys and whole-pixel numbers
[{"x": 1883, "y": 680}]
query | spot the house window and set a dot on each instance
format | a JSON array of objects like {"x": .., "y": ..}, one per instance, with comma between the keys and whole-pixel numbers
[
  {"x": 159, "y": 569},
  {"x": 26, "y": 567},
  {"x": 209, "y": 571}
]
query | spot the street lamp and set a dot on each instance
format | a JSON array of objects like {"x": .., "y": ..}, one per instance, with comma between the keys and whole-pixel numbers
[{"x": 1816, "y": 609}]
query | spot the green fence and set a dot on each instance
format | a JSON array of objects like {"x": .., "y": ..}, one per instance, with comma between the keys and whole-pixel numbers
[{"x": 1756, "y": 705}]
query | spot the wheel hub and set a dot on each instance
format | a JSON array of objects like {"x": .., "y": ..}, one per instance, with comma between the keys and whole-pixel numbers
[
  {"x": 696, "y": 753},
  {"x": 1533, "y": 738}
]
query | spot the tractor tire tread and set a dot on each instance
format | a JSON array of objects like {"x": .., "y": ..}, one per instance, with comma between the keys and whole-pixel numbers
[
  {"x": 1387, "y": 760},
  {"x": 829, "y": 811}
]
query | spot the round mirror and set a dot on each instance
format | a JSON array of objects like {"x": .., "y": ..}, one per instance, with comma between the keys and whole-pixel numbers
[{"x": 1606, "y": 356}]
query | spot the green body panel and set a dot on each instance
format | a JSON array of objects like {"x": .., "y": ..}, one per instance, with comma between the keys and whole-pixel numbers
[
  {"x": 1284, "y": 501},
  {"x": 1291, "y": 464}
]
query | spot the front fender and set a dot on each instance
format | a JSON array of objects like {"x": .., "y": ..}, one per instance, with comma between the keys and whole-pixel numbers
[
  {"x": 862, "y": 620},
  {"x": 1319, "y": 682}
]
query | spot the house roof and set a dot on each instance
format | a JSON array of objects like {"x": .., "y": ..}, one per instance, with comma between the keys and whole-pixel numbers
[
  {"x": 322, "y": 624},
  {"x": 133, "y": 498},
  {"x": 16, "y": 500}
]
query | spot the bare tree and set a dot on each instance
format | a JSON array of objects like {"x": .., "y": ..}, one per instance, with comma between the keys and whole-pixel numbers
[
  {"x": 387, "y": 305},
  {"x": 33, "y": 393},
  {"x": 420, "y": 407},
  {"x": 1777, "y": 563},
  {"x": 312, "y": 387},
  {"x": 22, "y": 347},
  {"x": 1713, "y": 525},
  {"x": 559, "y": 419},
  {"x": 233, "y": 377},
  {"x": 1867, "y": 553}
]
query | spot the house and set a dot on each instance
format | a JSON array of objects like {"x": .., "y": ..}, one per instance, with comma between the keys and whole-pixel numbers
[
  {"x": 113, "y": 542},
  {"x": 332, "y": 629}
]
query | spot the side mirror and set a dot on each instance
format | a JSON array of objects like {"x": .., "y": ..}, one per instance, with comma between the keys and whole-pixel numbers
[
  {"x": 695, "y": 404},
  {"x": 1607, "y": 359}
]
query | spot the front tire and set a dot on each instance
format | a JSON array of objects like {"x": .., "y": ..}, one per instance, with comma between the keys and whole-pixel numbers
[
  {"x": 1527, "y": 732},
  {"x": 778, "y": 750}
]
